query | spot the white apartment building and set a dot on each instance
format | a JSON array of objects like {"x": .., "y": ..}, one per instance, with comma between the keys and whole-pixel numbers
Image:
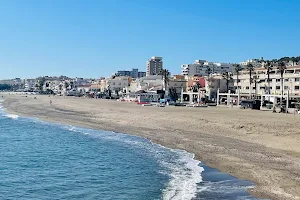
[
  {"x": 291, "y": 81},
  {"x": 255, "y": 62},
  {"x": 114, "y": 83},
  {"x": 29, "y": 84},
  {"x": 154, "y": 66},
  {"x": 155, "y": 82},
  {"x": 16, "y": 81},
  {"x": 199, "y": 67}
]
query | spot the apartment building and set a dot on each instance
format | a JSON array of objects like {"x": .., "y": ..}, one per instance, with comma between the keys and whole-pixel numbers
[
  {"x": 16, "y": 81},
  {"x": 30, "y": 84},
  {"x": 134, "y": 73},
  {"x": 154, "y": 66},
  {"x": 115, "y": 83},
  {"x": 260, "y": 85},
  {"x": 200, "y": 68},
  {"x": 257, "y": 63}
]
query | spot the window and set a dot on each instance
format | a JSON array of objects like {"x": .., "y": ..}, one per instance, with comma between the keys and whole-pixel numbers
[
  {"x": 247, "y": 88},
  {"x": 278, "y": 80},
  {"x": 277, "y": 87},
  {"x": 297, "y": 79},
  {"x": 286, "y": 87},
  {"x": 297, "y": 87},
  {"x": 286, "y": 80}
]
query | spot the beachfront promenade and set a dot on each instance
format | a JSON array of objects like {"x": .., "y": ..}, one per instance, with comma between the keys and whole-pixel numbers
[{"x": 259, "y": 146}]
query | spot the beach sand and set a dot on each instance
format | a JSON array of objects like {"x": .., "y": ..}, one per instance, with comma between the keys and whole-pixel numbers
[{"x": 259, "y": 146}]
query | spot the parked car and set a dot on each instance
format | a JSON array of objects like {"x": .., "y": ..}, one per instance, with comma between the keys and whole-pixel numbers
[{"x": 250, "y": 104}]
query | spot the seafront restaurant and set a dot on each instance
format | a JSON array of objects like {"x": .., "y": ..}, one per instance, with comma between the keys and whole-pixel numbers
[
  {"x": 191, "y": 97},
  {"x": 141, "y": 97},
  {"x": 290, "y": 102}
]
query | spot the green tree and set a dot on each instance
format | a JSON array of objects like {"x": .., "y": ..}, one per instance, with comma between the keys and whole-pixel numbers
[
  {"x": 67, "y": 85},
  {"x": 41, "y": 83},
  {"x": 294, "y": 60},
  {"x": 281, "y": 67},
  {"x": 269, "y": 67},
  {"x": 250, "y": 69},
  {"x": 255, "y": 80},
  {"x": 196, "y": 87},
  {"x": 228, "y": 77},
  {"x": 71, "y": 84},
  {"x": 173, "y": 94},
  {"x": 5, "y": 87},
  {"x": 208, "y": 71},
  {"x": 165, "y": 74},
  {"x": 237, "y": 69}
]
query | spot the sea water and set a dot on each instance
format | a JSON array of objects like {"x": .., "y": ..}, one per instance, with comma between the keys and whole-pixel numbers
[{"x": 40, "y": 160}]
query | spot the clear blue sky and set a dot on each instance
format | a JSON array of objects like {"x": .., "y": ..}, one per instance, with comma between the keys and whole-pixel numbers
[{"x": 96, "y": 38}]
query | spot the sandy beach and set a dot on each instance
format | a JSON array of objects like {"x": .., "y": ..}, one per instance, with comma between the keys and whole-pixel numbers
[{"x": 259, "y": 146}]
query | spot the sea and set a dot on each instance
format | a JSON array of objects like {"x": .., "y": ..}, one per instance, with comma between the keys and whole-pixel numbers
[{"x": 48, "y": 161}]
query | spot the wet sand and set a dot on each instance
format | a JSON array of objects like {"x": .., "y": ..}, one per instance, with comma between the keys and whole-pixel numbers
[{"x": 259, "y": 146}]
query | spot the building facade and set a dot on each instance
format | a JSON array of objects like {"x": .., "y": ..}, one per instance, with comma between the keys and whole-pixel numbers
[
  {"x": 134, "y": 73},
  {"x": 155, "y": 82},
  {"x": 154, "y": 66},
  {"x": 257, "y": 63},
  {"x": 16, "y": 81},
  {"x": 30, "y": 84},
  {"x": 115, "y": 83},
  {"x": 260, "y": 84},
  {"x": 200, "y": 68}
]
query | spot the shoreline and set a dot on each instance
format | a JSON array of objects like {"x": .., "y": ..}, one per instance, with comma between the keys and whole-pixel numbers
[
  {"x": 210, "y": 177},
  {"x": 218, "y": 150}
]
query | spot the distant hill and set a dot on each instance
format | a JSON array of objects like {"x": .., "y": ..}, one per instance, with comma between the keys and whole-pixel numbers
[{"x": 287, "y": 59}]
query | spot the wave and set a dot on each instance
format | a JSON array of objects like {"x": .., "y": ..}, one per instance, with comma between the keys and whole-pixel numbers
[
  {"x": 12, "y": 116},
  {"x": 186, "y": 175},
  {"x": 180, "y": 166}
]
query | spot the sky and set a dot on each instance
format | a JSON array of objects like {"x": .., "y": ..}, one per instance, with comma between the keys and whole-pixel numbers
[{"x": 95, "y": 38}]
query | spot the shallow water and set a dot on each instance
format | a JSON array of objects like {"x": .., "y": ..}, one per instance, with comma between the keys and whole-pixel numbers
[{"x": 42, "y": 160}]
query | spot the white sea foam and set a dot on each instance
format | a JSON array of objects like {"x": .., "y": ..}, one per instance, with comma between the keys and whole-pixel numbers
[
  {"x": 185, "y": 175},
  {"x": 12, "y": 116},
  {"x": 183, "y": 170}
]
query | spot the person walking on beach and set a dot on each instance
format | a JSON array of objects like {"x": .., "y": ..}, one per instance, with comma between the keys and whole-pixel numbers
[{"x": 50, "y": 102}]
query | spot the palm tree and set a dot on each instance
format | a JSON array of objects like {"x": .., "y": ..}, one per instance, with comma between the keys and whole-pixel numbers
[
  {"x": 237, "y": 69},
  {"x": 250, "y": 68},
  {"x": 41, "y": 83},
  {"x": 281, "y": 67},
  {"x": 67, "y": 85},
  {"x": 228, "y": 77},
  {"x": 196, "y": 87},
  {"x": 269, "y": 67},
  {"x": 166, "y": 79},
  {"x": 72, "y": 84},
  {"x": 208, "y": 71},
  {"x": 255, "y": 80}
]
